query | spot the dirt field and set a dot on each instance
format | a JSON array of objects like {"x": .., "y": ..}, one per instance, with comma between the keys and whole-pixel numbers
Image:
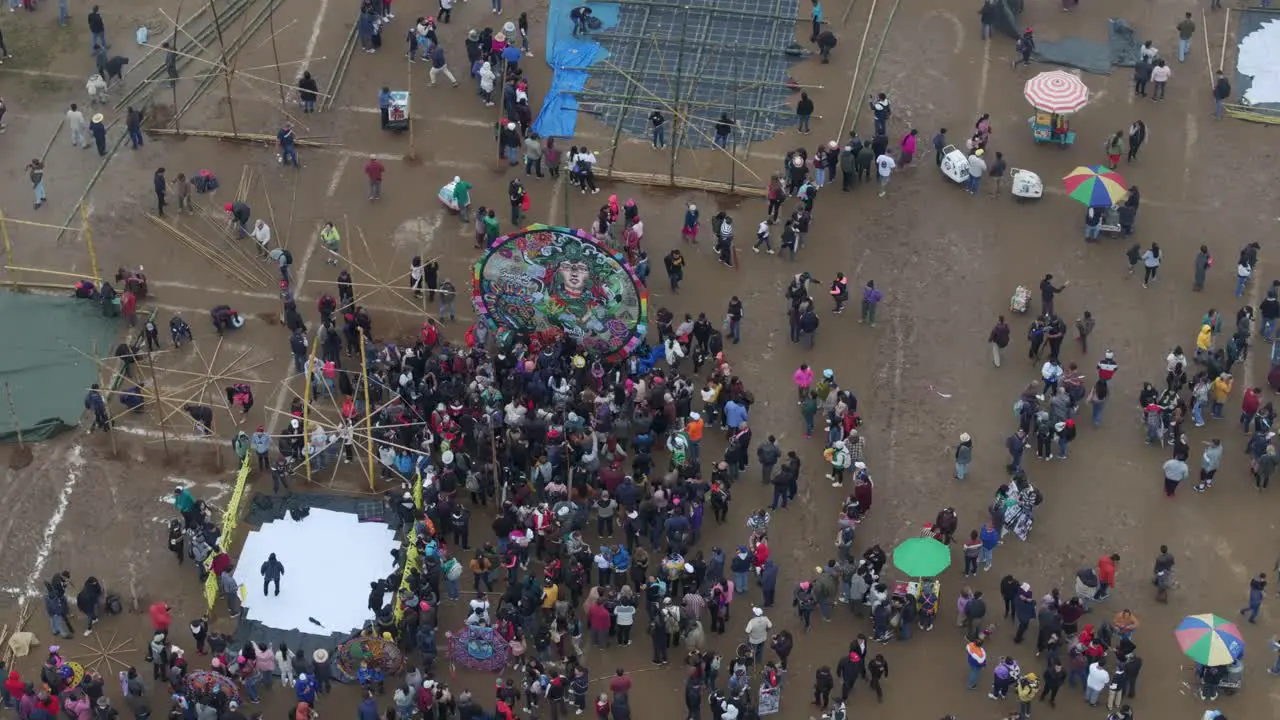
[{"x": 947, "y": 263}]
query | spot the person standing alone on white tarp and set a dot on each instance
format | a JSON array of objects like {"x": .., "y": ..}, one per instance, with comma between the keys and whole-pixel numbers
[{"x": 272, "y": 571}]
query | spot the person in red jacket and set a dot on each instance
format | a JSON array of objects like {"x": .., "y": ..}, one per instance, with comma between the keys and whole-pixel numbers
[
  {"x": 1249, "y": 405},
  {"x": 160, "y": 618},
  {"x": 1106, "y": 576},
  {"x": 14, "y": 689}
]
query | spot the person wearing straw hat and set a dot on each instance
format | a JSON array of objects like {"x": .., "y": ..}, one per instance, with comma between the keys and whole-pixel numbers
[{"x": 99, "y": 132}]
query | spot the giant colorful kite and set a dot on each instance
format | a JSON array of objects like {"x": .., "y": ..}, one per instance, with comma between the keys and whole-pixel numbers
[{"x": 553, "y": 280}]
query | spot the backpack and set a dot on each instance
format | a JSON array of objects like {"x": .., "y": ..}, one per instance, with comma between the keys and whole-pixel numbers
[{"x": 288, "y": 256}]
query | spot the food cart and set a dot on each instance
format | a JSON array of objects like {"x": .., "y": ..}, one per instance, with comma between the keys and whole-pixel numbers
[{"x": 1054, "y": 95}]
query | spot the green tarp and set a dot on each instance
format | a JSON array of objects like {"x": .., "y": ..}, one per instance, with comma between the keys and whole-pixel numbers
[{"x": 47, "y": 378}]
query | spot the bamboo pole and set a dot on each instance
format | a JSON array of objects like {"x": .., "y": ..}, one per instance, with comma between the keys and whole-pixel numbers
[
  {"x": 88, "y": 241},
  {"x": 13, "y": 412},
  {"x": 500, "y": 104},
  {"x": 14, "y": 278},
  {"x": 241, "y": 137},
  {"x": 1226, "y": 29},
  {"x": 857, "y": 66},
  {"x": 207, "y": 253},
  {"x": 275, "y": 54},
  {"x": 155, "y": 384},
  {"x": 226, "y": 69},
  {"x": 1208, "y": 54},
  {"x": 413, "y": 145},
  {"x": 78, "y": 276},
  {"x": 875, "y": 59},
  {"x": 368, "y": 411},
  {"x": 32, "y": 223},
  {"x": 675, "y": 132},
  {"x": 111, "y": 431},
  {"x": 306, "y": 404},
  {"x": 173, "y": 86}
]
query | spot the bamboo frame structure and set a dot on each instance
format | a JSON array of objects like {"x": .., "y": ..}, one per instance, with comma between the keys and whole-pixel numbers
[
  {"x": 693, "y": 49},
  {"x": 14, "y": 271}
]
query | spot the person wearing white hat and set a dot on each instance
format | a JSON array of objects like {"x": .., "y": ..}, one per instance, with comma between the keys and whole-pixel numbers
[
  {"x": 758, "y": 628},
  {"x": 964, "y": 456}
]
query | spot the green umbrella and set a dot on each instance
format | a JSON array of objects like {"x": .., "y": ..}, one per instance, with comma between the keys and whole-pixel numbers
[{"x": 921, "y": 557}]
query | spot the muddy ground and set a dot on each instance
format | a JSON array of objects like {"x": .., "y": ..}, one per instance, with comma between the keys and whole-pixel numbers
[{"x": 947, "y": 263}]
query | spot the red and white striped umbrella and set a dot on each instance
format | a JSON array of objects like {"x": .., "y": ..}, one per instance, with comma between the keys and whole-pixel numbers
[{"x": 1056, "y": 91}]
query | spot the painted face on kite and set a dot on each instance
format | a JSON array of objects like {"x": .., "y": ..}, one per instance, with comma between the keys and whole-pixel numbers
[
  {"x": 574, "y": 275},
  {"x": 545, "y": 279}
]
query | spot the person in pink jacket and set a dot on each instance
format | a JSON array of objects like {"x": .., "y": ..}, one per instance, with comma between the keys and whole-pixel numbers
[
  {"x": 803, "y": 378},
  {"x": 77, "y": 704}
]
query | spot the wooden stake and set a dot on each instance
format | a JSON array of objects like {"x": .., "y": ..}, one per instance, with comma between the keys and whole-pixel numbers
[
  {"x": 1208, "y": 56},
  {"x": 226, "y": 68}
]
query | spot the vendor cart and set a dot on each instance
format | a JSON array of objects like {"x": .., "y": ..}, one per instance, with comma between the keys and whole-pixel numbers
[
  {"x": 1052, "y": 128},
  {"x": 398, "y": 111},
  {"x": 1025, "y": 185},
  {"x": 954, "y": 164},
  {"x": 1054, "y": 95}
]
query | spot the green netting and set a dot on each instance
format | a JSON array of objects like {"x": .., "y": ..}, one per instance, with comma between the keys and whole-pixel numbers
[{"x": 47, "y": 378}]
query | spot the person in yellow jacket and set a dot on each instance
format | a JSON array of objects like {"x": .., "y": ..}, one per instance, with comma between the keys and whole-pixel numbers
[
  {"x": 1028, "y": 688},
  {"x": 1204, "y": 342},
  {"x": 331, "y": 239},
  {"x": 1221, "y": 391}
]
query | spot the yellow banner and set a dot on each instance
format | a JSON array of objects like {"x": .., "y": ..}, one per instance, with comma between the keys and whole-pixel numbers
[
  {"x": 230, "y": 516},
  {"x": 411, "y": 558}
]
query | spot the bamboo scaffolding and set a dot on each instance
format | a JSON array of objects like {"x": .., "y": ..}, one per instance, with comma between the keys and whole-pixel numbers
[
  {"x": 201, "y": 38},
  {"x": 672, "y": 110},
  {"x": 760, "y": 87},
  {"x": 177, "y": 28},
  {"x": 857, "y": 68},
  {"x": 690, "y": 103},
  {"x": 221, "y": 263},
  {"x": 687, "y": 183},
  {"x": 232, "y": 51},
  {"x": 724, "y": 45},
  {"x": 750, "y": 84},
  {"x": 702, "y": 9},
  {"x": 737, "y": 126},
  {"x": 630, "y": 93}
]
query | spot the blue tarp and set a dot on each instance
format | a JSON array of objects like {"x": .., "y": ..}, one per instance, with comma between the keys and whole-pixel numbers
[{"x": 559, "y": 114}]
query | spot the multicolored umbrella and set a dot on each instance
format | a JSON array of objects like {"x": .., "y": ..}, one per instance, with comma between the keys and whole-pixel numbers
[
  {"x": 1095, "y": 186},
  {"x": 1209, "y": 640},
  {"x": 1056, "y": 91},
  {"x": 921, "y": 557}
]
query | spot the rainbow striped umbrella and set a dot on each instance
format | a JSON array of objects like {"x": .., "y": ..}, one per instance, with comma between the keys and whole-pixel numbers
[
  {"x": 1095, "y": 186},
  {"x": 1209, "y": 640}
]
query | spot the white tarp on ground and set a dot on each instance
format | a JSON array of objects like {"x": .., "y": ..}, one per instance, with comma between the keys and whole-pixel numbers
[
  {"x": 1259, "y": 58},
  {"x": 329, "y": 560}
]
